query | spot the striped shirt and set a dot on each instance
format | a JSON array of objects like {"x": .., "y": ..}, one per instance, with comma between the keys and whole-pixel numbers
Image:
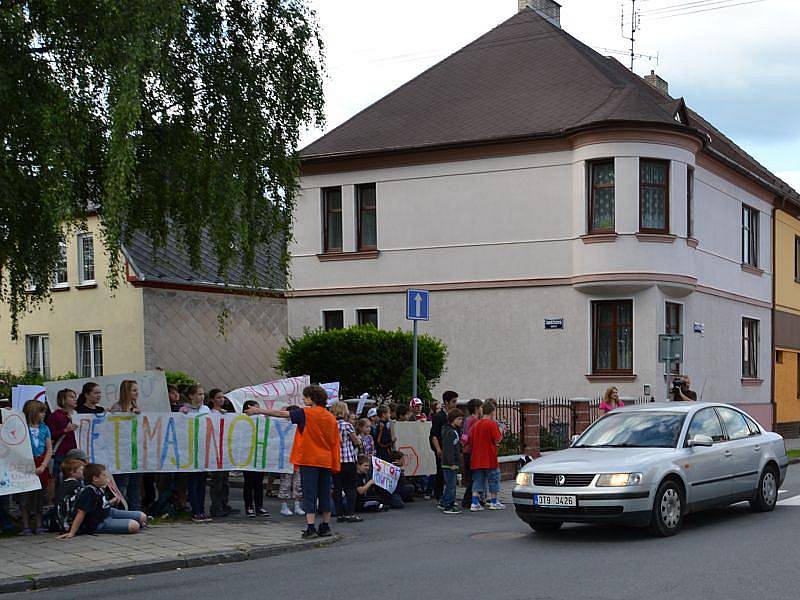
[{"x": 348, "y": 449}]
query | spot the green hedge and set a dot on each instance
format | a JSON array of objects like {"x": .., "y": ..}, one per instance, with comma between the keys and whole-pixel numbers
[
  {"x": 10, "y": 379},
  {"x": 364, "y": 359}
]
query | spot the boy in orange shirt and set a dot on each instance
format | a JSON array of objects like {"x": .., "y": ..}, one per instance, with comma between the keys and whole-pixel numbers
[{"x": 315, "y": 453}]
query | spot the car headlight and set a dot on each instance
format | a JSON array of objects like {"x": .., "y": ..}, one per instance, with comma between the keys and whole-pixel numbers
[
  {"x": 525, "y": 479},
  {"x": 619, "y": 479}
]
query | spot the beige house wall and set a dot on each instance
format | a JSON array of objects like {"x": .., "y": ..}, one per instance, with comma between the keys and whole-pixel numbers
[{"x": 118, "y": 315}]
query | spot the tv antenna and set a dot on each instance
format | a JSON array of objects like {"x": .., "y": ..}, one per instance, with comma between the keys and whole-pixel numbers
[{"x": 636, "y": 22}]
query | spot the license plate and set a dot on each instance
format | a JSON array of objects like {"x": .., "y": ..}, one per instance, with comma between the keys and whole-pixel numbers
[{"x": 555, "y": 501}]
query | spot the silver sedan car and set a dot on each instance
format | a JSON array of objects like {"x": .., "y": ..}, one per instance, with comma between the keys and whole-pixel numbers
[{"x": 652, "y": 464}]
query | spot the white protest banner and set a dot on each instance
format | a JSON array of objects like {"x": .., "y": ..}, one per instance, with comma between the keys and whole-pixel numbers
[
  {"x": 332, "y": 389},
  {"x": 362, "y": 401},
  {"x": 20, "y": 394},
  {"x": 152, "y": 389},
  {"x": 385, "y": 475},
  {"x": 177, "y": 442},
  {"x": 272, "y": 394},
  {"x": 413, "y": 440},
  {"x": 17, "y": 471}
]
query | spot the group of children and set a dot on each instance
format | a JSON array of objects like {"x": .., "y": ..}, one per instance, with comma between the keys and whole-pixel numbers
[{"x": 332, "y": 453}]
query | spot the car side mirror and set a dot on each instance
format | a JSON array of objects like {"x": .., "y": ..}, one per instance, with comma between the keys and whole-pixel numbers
[
  {"x": 700, "y": 440},
  {"x": 573, "y": 439}
]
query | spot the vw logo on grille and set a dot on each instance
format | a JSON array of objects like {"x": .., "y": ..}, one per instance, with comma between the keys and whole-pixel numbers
[{"x": 561, "y": 479}]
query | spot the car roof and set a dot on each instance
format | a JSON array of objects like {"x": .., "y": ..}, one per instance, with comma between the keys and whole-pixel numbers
[{"x": 681, "y": 407}]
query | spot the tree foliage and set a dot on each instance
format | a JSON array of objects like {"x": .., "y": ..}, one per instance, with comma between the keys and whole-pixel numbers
[
  {"x": 363, "y": 359},
  {"x": 181, "y": 114}
]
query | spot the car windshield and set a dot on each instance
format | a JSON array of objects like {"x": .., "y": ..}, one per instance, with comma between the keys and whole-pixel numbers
[{"x": 644, "y": 429}]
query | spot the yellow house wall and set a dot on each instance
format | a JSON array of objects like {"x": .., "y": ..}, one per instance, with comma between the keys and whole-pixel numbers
[
  {"x": 786, "y": 392},
  {"x": 787, "y": 290},
  {"x": 119, "y": 317}
]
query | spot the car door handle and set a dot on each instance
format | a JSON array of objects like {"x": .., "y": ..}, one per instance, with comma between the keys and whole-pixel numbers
[{"x": 728, "y": 453}]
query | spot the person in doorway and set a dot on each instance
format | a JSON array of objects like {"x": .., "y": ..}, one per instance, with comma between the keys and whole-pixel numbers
[
  {"x": 315, "y": 452},
  {"x": 439, "y": 420},
  {"x": 680, "y": 390},
  {"x": 610, "y": 400}
]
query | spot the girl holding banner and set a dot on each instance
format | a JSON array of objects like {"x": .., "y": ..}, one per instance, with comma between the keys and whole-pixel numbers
[{"x": 130, "y": 484}]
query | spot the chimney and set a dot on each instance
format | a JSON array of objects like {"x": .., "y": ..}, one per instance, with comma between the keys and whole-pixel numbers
[
  {"x": 656, "y": 81},
  {"x": 549, "y": 9}
]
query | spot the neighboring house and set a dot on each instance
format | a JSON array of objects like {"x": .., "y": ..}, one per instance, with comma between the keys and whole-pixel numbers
[
  {"x": 787, "y": 321},
  {"x": 163, "y": 314},
  {"x": 526, "y": 177}
]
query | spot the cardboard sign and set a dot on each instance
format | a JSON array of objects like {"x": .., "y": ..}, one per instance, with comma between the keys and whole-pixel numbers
[
  {"x": 385, "y": 475},
  {"x": 177, "y": 442},
  {"x": 332, "y": 389},
  {"x": 413, "y": 440},
  {"x": 20, "y": 394},
  {"x": 152, "y": 389},
  {"x": 272, "y": 394},
  {"x": 17, "y": 471}
]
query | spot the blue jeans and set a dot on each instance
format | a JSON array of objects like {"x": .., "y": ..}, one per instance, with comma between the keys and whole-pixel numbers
[
  {"x": 118, "y": 521},
  {"x": 130, "y": 485},
  {"x": 316, "y": 482},
  {"x": 449, "y": 492},
  {"x": 196, "y": 490},
  {"x": 483, "y": 479}
]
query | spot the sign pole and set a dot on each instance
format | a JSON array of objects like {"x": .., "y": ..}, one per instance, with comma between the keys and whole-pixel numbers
[{"x": 414, "y": 364}]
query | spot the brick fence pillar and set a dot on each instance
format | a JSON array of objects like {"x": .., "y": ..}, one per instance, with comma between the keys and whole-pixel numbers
[
  {"x": 580, "y": 407},
  {"x": 531, "y": 410}
]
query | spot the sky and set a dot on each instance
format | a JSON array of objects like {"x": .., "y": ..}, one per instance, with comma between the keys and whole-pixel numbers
[{"x": 738, "y": 66}]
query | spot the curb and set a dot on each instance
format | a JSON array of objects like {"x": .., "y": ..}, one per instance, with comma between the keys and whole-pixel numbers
[
  {"x": 794, "y": 461},
  {"x": 38, "y": 582}
]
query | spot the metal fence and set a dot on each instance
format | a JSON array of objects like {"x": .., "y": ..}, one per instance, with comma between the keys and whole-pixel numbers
[
  {"x": 556, "y": 423},
  {"x": 594, "y": 404},
  {"x": 511, "y": 420}
]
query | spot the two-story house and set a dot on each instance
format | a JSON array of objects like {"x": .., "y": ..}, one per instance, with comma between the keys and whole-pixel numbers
[
  {"x": 164, "y": 314},
  {"x": 527, "y": 178}
]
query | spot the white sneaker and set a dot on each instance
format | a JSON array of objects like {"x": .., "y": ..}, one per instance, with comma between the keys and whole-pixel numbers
[
  {"x": 475, "y": 508},
  {"x": 298, "y": 509},
  {"x": 286, "y": 511},
  {"x": 496, "y": 506}
]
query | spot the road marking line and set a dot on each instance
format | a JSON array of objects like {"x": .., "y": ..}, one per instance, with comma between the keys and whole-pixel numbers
[{"x": 793, "y": 501}]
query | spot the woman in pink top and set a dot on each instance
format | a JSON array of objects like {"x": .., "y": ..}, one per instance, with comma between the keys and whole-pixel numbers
[{"x": 610, "y": 400}]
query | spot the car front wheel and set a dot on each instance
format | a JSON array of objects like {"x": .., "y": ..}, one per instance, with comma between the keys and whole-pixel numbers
[
  {"x": 545, "y": 526},
  {"x": 766, "y": 495},
  {"x": 667, "y": 515}
]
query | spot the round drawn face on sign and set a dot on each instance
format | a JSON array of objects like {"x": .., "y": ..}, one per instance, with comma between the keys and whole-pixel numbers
[{"x": 13, "y": 430}]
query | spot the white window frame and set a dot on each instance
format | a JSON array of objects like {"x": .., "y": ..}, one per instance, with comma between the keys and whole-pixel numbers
[
  {"x": 81, "y": 265},
  {"x": 93, "y": 371},
  {"x": 55, "y": 283},
  {"x": 43, "y": 368},
  {"x": 360, "y": 308},
  {"x": 322, "y": 317}
]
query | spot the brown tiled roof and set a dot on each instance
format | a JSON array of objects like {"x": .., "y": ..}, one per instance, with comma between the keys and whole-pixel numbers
[{"x": 526, "y": 78}]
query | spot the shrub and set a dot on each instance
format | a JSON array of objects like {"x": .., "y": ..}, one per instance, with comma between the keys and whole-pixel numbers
[
  {"x": 178, "y": 378},
  {"x": 362, "y": 359},
  {"x": 27, "y": 378}
]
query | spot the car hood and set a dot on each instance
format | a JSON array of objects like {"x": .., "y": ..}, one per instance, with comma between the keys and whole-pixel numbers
[{"x": 593, "y": 460}]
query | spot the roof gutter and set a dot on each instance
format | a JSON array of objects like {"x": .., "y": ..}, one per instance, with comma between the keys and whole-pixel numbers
[{"x": 753, "y": 176}]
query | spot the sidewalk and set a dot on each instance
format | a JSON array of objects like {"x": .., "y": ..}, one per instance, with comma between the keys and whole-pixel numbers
[{"x": 37, "y": 562}]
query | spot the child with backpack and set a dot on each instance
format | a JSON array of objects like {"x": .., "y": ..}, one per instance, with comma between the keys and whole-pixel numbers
[{"x": 67, "y": 494}]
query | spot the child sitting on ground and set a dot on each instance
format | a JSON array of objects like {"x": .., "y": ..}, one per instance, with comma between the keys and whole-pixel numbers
[
  {"x": 68, "y": 492},
  {"x": 94, "y": 514},
  {"x": 366, "y": 496}
]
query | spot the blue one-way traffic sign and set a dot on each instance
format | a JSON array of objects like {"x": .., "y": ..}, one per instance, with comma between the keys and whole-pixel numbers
[{"x": 417, "y": 305}]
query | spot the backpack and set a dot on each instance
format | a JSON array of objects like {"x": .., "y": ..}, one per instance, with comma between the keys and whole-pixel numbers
[{"x": 66, "y": 509}]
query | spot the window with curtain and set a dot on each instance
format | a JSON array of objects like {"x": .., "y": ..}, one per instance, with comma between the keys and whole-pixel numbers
[
  {"x": 749, "y": 236},
  {"x": 37, "y": 351},
  {"x": 367, "y": 217},
  {"x": 332, "y": 219},
  {"x": 90, "y": 353},
  {"x": 749, "y": 348},
  {"x": 612, "y": 337},
  {"x": 653, "y": 196},
  {"x": 60, "y": 278},
  {"x": 86, "y": 258},
  {"x": 601, "y": 196}
]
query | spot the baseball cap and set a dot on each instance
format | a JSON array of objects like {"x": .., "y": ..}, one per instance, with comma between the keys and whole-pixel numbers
[
  {"x": 416, "y": 402},
  {"x": 372, "y": 412}
]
